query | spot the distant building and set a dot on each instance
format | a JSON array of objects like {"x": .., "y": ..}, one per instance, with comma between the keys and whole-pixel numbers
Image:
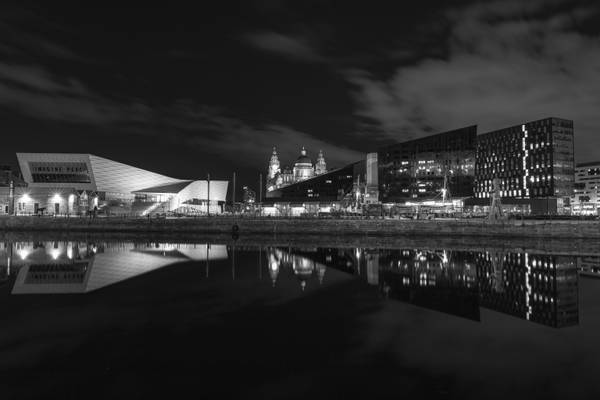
[
  {"x": 420, "y": 169},
  {"x": 249, "y": 195},
  {"x": 586, "y": 191},
  {"x": 534, "y": 165},
  {"x": 339, "y": 189},
  {"x": 72, "y": 184},
  {"x": 302, "y": 169}
]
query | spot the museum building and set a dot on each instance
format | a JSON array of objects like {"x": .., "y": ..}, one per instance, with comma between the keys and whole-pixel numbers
[{"x": 74, "y": 184}]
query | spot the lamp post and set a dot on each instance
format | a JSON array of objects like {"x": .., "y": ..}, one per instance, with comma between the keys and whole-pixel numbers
[
  {"x": 208, "y": 195},
  {"x": 11, "y": 198},
  {"x": 260, "y": 193},
  {"x": 233, "y": 201}
]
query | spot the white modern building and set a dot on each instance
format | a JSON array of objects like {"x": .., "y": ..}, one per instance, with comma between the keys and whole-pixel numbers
[
  {"x": 72, "y": 184},
  {"x": 586, "y": 193}
]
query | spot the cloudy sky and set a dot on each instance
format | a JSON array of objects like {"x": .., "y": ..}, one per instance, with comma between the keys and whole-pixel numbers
[{"x": 212, "y": 88}]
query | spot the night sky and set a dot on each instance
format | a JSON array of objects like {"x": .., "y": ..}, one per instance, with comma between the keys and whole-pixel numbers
[{"x": 212, "y": 88}]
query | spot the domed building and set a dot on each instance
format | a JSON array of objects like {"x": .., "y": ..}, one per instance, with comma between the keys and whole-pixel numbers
[
  {"x": 303, "y": 168},
  {"x": 303, "y": 269}
]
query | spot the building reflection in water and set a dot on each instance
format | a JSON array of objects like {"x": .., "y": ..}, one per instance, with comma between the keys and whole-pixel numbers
[
  {"x": 540, "y": 288},
  {"x": 537, "y": 287},
  {"x": 304, "y": 268},
  {"x": 74, "y": 267}
]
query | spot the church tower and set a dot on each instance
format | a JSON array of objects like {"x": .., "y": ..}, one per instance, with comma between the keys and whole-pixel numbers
[
  {"x": 274, "y": 167},
  {"x": 320, "y": 165},
  {"x": 274, "y": 171}
]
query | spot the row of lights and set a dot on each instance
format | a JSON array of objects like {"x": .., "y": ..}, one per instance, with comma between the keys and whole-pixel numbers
[{"x": 56, "y": 198}]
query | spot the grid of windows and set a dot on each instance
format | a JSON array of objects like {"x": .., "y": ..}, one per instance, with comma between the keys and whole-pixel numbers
[
  {"x": 59, "y": 172},
  {"x": 532, "y": 160},
  {"x": 586, "y": 193}
]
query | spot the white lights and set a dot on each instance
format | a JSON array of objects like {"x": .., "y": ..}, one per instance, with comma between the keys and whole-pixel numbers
[
  {"x": 23, "y": 253},
  {"x": 56, "y": 198},
  {"x": 25, "y": 198},
  {"x": 55, "y": 253},
  {"x": 528, "y": 287}
]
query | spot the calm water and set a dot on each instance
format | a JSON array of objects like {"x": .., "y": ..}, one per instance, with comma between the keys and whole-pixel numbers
[{"x": 125, "y": 319}]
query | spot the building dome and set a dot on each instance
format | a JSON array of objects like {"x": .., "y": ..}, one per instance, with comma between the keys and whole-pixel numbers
[
  {"x": 303, "y": 269},
  {"x": 303, "y": 159},
  {"x": 303, "y": 168}
]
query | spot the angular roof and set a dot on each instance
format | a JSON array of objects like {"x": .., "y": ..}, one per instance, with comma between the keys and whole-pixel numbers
[{"x": 170, "y": 188}]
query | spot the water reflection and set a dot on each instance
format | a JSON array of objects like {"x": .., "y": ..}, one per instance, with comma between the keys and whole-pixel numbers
[
  {"x": 537, "y": 287},
  {"x": 74, "y": 267},
  {"x": 541, "y": 288}
]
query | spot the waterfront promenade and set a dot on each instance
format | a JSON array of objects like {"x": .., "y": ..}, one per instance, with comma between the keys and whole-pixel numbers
[{"x": 310, "y": 226}]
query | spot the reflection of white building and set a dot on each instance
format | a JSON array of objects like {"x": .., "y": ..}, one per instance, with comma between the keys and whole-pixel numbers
[
  {"x": 68, "y": 267},
  {"x": 75, "y": 183}
]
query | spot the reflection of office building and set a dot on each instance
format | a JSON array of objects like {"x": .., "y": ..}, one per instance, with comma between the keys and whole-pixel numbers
[
  {"x": 440, "y": 281},
  {"x": 419, "y": 169},
  {"x": 77, "y": 183},
  {"x": 586, "y": 193},
  {"x": 539, "y": 288},
  {"x": 533, "y": 163},
  {"x": 589, "y": 265}
]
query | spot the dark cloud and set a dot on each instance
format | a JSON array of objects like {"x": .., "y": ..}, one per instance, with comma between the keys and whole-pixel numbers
[
  {"x": 284, "y": 45},
  {"x": 40, "y": 94},
  {"x": 508, "y": 62}
]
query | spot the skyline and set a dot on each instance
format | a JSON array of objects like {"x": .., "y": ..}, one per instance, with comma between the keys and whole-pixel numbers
[{"x": 217, "y": 90}]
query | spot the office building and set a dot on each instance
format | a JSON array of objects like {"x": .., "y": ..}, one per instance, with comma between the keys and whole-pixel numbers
[
  {"x": 533, "y": 164},
  {"x": 434, "y": 167},
  {"x": 586, "y": 191}
]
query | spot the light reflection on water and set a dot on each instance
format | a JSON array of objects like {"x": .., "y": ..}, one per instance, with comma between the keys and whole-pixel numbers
[
  {"x": 541, "y": 288},
  {"x": 300, "y": 321}
]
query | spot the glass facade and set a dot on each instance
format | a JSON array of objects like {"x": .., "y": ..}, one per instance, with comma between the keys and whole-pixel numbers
[{"x": 421, "y": 168}]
